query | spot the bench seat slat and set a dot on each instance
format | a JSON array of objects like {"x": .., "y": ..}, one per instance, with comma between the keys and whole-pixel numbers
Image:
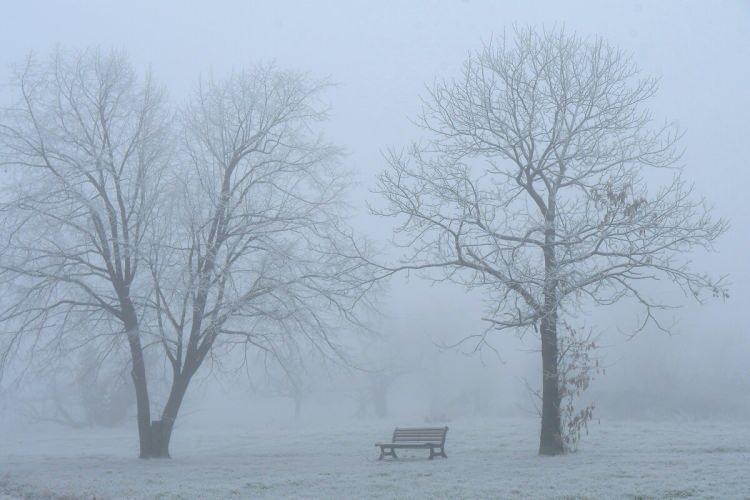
[
  {"x": 417, "y": 440},
  {"x": 408, "y": 445},
  {"x": 438, "y": 432},
  {"x": 420, "y": 435},
  {"x": 420, "y": 432},
  {"x": 425, "y": 429}
]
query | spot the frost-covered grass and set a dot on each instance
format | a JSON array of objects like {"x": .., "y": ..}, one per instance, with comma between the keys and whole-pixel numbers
[{"x": 487, "y": 459}]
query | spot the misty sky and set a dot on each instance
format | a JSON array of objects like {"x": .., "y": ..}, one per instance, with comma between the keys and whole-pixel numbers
[{"x": 382, "y": 53}]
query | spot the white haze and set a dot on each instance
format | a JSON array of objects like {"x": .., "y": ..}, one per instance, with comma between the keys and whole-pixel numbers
[{"x": 381, "y": 54}]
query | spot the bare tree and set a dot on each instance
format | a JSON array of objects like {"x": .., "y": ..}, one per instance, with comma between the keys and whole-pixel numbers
[
  {"x": 83, "y": 148},
  {"x": 234, "y": 237},
  {"x": 253, "y": 252},
  {"x": 530, "y": 185},
  {"x": 82, "y": 392},
  {"x": 286, "y": 372},
  {"x": 382, "y": 362}
]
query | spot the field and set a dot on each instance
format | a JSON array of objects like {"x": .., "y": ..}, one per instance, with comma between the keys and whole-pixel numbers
[{"x": 487, "y": 459}]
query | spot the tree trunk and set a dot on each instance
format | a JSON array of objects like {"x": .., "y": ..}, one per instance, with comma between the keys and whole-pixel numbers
[
  {"x": 138, "y": 373},
  {"x": 154, "y": 437},
  {"x": 297, "y": 407},
  {"x": 162, "y": 429},
  {"x": 380, "y": 398},
  {"x": 550, "y": 440}
]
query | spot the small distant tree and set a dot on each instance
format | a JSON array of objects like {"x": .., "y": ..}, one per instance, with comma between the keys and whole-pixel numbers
[
  {"x": 106, "y": 395},
  {"x": 88, "y": 393},
  {"x": 530, "y": 186},
  {"x": 372, "y": 393},
  {"x": 286, "y": 373},
  {"x": 383, "y": 361}
]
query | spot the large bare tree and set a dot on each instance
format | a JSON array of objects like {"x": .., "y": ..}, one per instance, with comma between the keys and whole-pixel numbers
[
  {"x": 254, "y": 252},
  {"x": 83, "y": 148},
  {"x": 531, "y": 186},
  {"x": 181, "y": 237}
]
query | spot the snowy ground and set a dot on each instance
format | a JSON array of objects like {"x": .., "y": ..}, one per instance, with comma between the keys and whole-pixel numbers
[{"x": 487, "y": 459}]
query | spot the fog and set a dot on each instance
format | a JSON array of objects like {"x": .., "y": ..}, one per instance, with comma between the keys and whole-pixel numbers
[{"x": 380, "y": 58}]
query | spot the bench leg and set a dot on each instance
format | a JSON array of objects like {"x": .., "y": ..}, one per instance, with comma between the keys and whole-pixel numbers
[
  {"x": 442, "y": 453},
  {"x": 432, "y": 453},
  {"x": 382, "y": 453}
]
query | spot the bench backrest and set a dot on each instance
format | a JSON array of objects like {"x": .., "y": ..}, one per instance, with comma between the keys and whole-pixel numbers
[{"x": 420, "y": 435}]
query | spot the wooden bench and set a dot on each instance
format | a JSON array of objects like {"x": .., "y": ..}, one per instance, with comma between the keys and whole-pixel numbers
[{"x": 432, "y": 438}]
